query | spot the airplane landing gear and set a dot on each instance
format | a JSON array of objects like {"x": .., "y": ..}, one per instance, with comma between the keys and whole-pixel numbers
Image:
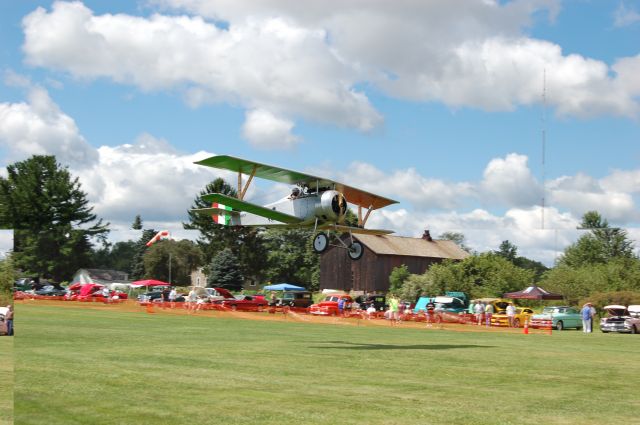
[
  {"x": 320, "y": 243},
  {"x": 355, "y": 250}
]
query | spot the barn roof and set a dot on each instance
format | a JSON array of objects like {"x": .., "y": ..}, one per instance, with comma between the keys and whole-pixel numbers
[{"x": 414, "y": 247}]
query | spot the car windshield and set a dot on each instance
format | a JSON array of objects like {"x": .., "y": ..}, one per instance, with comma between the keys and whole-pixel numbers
[{"x": 549, "y": 310}]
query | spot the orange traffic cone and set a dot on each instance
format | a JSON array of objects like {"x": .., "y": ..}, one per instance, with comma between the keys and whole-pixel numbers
[{"x": 525, "y": 330}]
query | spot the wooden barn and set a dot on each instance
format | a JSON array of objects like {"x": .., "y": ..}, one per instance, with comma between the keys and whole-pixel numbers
[{"x": 381, "y": 255}]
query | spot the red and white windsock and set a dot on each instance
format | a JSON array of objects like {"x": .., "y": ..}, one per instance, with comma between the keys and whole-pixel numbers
[{"x": 162, "y": 234}]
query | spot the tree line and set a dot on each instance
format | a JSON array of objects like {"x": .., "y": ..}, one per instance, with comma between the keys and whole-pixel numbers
[
  {"x": 600, "y": 266},
  {"x": 56, "y": 232}
]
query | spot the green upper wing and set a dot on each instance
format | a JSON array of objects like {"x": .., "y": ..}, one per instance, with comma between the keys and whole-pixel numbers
[
  {"x": 282, "y": 175},
  {"x": 239, "y": 205}
]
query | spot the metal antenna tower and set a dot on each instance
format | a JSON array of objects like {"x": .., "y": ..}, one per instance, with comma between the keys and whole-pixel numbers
[{"x": 544, "y": 142}]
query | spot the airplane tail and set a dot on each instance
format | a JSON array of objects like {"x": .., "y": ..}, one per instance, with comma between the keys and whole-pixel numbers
[{"x": 221, "y": 217}]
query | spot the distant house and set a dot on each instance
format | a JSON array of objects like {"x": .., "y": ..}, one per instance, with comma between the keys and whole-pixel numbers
[
  {"x": 101, "y": 276},
  {"x": 381, "y": 255},
  {"x": 199, "y": 278}
]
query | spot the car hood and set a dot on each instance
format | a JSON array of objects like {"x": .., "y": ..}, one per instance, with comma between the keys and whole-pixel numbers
[
  {"x": 225, "y": 293},
  {"x": 616, "y": 310}
]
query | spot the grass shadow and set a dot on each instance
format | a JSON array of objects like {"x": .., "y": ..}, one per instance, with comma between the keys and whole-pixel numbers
[{"x": 362, "y": 346}]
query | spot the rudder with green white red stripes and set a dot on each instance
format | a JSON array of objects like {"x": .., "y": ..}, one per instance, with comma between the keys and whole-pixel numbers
[{"x": 223, "y": 219}]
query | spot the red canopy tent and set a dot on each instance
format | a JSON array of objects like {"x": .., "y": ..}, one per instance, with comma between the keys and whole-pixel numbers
[
  {"x": 149, "y": 282},
  {"x": 533, "y": 292}
]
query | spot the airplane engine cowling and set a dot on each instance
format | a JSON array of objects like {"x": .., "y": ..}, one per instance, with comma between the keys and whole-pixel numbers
[{"x": 331, "y": 206}]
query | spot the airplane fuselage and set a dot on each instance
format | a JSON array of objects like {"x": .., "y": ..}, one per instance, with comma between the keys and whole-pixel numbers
[{"x": 327, "y": 207}]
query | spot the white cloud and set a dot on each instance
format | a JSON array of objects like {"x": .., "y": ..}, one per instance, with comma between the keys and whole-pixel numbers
[
  {"x": 38, "y": 127},
  {"x": 625, "y": 16},
  {"x": 265, "y": 130},
  {"x": 509, "y": 181},
  {"x": 305, "y": 61},
  {"x": 269, "y": 65},
  {"x": 462, "y": 53}
]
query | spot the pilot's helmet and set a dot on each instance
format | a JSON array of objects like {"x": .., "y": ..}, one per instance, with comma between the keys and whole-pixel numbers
[{"x": 295, "y": 191}]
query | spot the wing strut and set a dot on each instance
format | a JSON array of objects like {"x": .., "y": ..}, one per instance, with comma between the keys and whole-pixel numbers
[
  {"x": 363, "y": 221},
  {"x": 242, "y": 190}
]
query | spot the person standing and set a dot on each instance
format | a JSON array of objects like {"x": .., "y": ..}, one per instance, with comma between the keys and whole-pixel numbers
[
  {"x": 173, "y": 294},
  {"x": 430, "y": 312},
  {"x": 587, "y": 314},
  {"x": 593, "y": 315},
  {"x": 394, "y": 307},
  {"x": 191, "y": 300},
  {"x": 479, "y": 310},
  {"x": 9, "y": 320},
  {"x": 511, "y": 314},
  {"x": 488, "y": 314}
]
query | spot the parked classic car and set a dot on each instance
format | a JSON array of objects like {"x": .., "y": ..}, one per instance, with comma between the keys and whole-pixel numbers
[
  {"x": 53, "y": 290},
  {"x": 244, "y": 302},
  {"x": 621, "y": 319},
  {"x": 301, "y": 299},
  {"x": 329, "y": 306},
  {"x": 379, "y": 301},
  {"x": 562, "y": 317},
  {"x": 522, "y": 314}
]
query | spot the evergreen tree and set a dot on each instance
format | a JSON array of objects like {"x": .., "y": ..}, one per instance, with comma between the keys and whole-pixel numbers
[
  {"x": 224, "y": 271},
  {"x": 137, "y": 223},
  {"x": 508, "y": 251},
  {"x": 140, "y": 248},
  {"x": 53, "y": 224}
]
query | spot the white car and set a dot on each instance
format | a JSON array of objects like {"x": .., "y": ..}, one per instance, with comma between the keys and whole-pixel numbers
[{"x": 621, "y": 319}]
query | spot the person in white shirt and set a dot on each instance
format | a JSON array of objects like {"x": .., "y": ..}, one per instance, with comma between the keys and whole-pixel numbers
[
  {"x": 488, "y": 313},
  {"x": 511, "y": 314},
  {"x": 479, "y": 308}
]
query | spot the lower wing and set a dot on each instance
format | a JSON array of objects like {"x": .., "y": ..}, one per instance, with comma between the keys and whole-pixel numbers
[
  {"x": 239, "y": 205},
  {"x": 354, "y": 229}
]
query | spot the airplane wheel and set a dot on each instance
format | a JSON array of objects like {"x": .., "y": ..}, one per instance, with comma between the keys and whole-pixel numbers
[
  {"x": 320, "y": 243},
  {"x": 355, "y": 251}
]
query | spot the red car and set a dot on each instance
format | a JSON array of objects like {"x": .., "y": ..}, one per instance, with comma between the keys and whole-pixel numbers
[
  {"x": 244, "y": 303},
  {"x": 329, "y": 306}
]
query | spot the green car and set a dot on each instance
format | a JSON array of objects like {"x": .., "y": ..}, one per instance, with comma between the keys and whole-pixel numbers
[{"x": 561, "y": 317}]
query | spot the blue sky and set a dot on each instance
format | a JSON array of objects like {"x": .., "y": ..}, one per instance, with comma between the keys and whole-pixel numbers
[{"x": 437, "y": 104}]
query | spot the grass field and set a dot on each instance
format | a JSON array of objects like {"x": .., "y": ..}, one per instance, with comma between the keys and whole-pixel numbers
[
  {"x": 6, "y": 380},
  {"x": 111, "y": 365}
]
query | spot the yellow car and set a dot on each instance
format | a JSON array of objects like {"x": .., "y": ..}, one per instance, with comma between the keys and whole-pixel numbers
[{"x": 522, "y": 314}]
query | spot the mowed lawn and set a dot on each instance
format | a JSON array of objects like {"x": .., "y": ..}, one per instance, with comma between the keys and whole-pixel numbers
[
  {"x": 6, "y": 380},
  {"x": 78, "y": 365}
]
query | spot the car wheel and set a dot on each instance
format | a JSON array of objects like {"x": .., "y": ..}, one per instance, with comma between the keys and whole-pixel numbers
[
  {"x": 560, "y": 325},
  {"x": 234, "y": 307},
  {"x": 516, "y": 323},
  {"x": 634, "y": 330}
]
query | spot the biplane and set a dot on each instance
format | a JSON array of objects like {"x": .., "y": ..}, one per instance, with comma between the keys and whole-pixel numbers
[{"x": 314, "y": 202}]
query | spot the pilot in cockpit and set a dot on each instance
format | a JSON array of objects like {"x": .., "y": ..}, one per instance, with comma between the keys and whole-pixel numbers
[{"x": 295, "y": 192}]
